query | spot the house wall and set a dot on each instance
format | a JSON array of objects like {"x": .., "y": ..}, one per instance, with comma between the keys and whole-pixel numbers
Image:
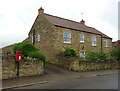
[
  {"x": 45, "y": 30},
  {"x": 8, "y": 50},
  {"x": 51, "y": 39},
  {"x": 109, "y": 48},
  {"x": 59, "y": 44}
]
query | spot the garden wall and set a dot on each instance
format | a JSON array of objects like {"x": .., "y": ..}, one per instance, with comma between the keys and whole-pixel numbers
[
  {"x": 87, "y": 65},
  {"x": 28, "y": 67}
]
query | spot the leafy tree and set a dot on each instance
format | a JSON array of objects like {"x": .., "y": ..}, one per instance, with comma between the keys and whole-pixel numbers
[
  {"x": 116, "y": 53},
  {"x": 25, "y": 48}
]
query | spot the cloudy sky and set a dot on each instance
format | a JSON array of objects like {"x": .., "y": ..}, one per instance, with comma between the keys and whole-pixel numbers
[{"x": 17, "y": 16}]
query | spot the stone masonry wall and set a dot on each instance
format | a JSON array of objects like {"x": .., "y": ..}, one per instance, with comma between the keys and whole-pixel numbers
[
  {"x": 26, "y": 67},
  {"x": 8, "y": 67},
  {"x": 75, "y": 40},
  {"x": 109, "y": 48},
  {"x": 45, "y": 30},
  {"x": 80, "y": 66}
]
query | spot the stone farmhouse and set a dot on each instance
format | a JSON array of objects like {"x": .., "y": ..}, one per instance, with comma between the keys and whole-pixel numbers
[{"x": 52, "y": 34}]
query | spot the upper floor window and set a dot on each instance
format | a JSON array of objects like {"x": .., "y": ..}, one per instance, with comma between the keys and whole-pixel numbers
[
  {"x": 106, "y": 43},
  {"x": 81, "y": 38},
  {"x": 38, "y": 38},
  {"x": 67, "y": 37},
  {"x": 94, "y": 41}
]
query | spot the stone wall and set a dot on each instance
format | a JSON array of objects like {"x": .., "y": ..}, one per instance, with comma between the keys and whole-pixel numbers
[
  {"x": 26, "y": 67},
  {"x": 79, "y": 66},
  {"x": 45, "y": 30},
  {"x": 8, "y": 67}
]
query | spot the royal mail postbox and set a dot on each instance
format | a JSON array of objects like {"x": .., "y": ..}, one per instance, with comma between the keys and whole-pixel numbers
[{"x": 19, "y": 56}]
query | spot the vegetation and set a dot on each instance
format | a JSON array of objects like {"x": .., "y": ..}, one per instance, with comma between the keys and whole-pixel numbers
[
  {"x": 37, "y": 55},
  {"x": 116, "y": 54},
  {"x": 25, "y": 48},
  {"x": 70, "y": 52},
  {"x": 28, "y": 50},
  {"x": 96, "y": 56}
]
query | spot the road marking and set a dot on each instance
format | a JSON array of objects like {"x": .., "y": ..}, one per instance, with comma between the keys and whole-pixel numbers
[{"x": 23, "y": 85}]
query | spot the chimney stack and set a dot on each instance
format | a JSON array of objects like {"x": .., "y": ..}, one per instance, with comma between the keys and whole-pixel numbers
[
  {"x": 41, "y": 11},
  {"x": 82, "y": 22}
]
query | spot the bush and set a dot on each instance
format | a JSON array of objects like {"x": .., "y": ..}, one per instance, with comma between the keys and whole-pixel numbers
[
  {"x": 116, "y": 54},
  {"x": 25, "y": 47},
  {"x": 70, "y": 52},
  {"x": 37, "y": 55},
  {"x": 96, "y": 56}
]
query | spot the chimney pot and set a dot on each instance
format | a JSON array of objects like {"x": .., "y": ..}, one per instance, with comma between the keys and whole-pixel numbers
[
  {"x": 41, "y": 11},
  {"x": 82, "y": 22}
]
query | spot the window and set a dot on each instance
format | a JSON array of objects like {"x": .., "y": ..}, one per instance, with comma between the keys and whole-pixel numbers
[
  {"x": 38, "y": 38},
  {"x": 67, "y": 37},
  {"x": 94, "y": 41},
  {"x": 106, "y": 43},
  {"x": 81, "y": 38}
]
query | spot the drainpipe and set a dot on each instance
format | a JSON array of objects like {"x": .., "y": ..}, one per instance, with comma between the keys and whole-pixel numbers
[
  {"x": 101, "y": 44},
  {"x": 33, "y": 36}
]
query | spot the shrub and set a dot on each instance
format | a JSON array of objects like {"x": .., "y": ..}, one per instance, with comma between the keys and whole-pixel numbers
[
  {"x": 70, "y": 52},
  {"x": 116, "y": 53},
  {"x": 25, "y": 47},
  {"x": 37, "y": 55},
  {"x": 96, "y": 56}
]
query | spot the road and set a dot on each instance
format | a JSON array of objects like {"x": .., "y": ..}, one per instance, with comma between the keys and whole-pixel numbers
[
  {"x": 59, "y": 78},
  {"x": 93, "y": 82},
  {"x": 100, "y": 82}
]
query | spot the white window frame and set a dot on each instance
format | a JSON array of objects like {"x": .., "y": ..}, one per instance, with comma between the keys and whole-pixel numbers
[
  {"x": 82, "y": 38},
  {"x": 67, "y": 37},
  {"x": 106, "y": 43},
  {"x": 94, "y": 41},
  {"x": 38, "y": 37}
]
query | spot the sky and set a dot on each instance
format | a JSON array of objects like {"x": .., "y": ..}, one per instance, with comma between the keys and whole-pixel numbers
[{"x": 18, "y": 16}]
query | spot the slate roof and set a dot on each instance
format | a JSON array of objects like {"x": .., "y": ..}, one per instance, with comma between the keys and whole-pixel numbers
[
  {"x": 26, "y": 40},
  {"x": 58, "y": 21}
]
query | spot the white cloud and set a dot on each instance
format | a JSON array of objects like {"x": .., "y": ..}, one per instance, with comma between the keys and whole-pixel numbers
[{"x": 17, "y": 16}]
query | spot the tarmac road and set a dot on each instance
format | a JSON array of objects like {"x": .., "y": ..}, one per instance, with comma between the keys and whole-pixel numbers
[{"x": 98, "y": 82}]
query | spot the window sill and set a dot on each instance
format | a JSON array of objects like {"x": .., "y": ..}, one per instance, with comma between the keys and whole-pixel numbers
[
  {"x": 94, "y": 45},
  {"x": 67, "y": 42},
  {"x": 106, "y": 46},
  {"x": 81, "y": 41}
]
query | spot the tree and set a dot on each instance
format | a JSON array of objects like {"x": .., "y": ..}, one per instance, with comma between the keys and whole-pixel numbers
[
  {"x": 116, "y": 53},
  {"x": 26, "y": 48}
]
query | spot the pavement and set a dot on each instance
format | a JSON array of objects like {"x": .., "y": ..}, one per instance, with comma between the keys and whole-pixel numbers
[{"x": 52, "y": 73}]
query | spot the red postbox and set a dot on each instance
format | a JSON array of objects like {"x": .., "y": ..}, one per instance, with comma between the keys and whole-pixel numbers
[{"x": 19, "y": 56}]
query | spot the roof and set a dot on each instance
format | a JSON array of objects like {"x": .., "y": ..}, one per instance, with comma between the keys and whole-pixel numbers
[
  {"x": 26, "y": 40},
  {"x": 116, "y": 43},
  {"x": 58, "y": 21}
]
